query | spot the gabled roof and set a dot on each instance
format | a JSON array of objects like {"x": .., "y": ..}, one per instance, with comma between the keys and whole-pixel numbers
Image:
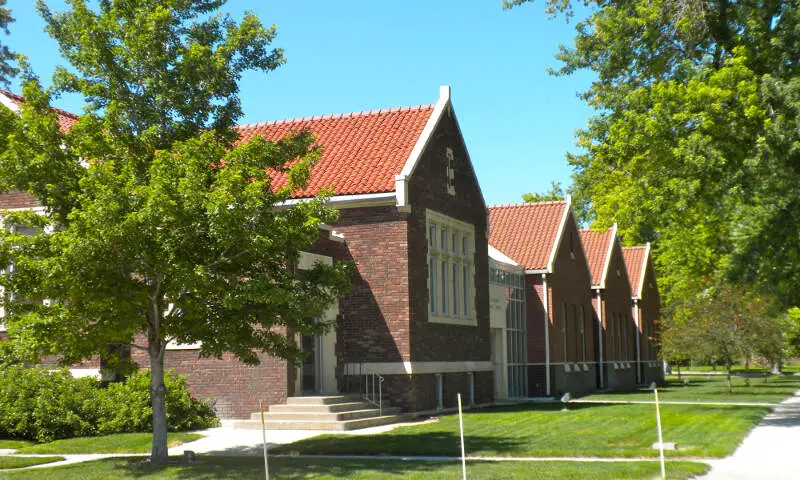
[
  {"x": 365, "y": 154},
  {"x": 598, "y": 247},
  {"x": 636, "y": 265},
  {"x": 65, "y": 119},
  {"x": 528, "y": 233},
  {"x": 362, "y": 152}
]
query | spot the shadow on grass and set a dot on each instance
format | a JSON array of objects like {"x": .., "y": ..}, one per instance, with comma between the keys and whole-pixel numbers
[
  {"x": 440, "y": 443},
  {"x": 211, "y": 467}
]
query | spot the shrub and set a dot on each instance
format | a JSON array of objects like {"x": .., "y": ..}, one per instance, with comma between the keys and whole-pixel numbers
[
  {"x": 45, "y": 405},
  {"x": 125, "y": 406}
]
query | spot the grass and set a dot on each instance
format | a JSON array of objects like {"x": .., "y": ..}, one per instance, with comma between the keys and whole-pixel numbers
[
  {"x": 7, "y": 444},
  {"x": 19, "y": 462},
  {"x": 737, "y": 369},
  {"x": 586, "y": 430},
  {"x": 118, "y": 443},
  {"x": 207, "y": 468},
  {"x": 772, "y": 389}
]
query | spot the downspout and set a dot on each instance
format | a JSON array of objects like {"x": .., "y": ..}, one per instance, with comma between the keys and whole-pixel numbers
[
  {"x": 546, "y": 333},
  {"x": 638, "y": 348},
  {"x": 600, "y": 337}
]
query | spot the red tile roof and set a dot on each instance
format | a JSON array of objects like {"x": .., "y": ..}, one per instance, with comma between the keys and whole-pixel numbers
[
  {"x": 526, "y": 232},
  {"x": 65, "y": 119},
  {"x": 634, "y": 264},
  {"x": 596, "y": 245},
  {"x": 362, "y": 152}
]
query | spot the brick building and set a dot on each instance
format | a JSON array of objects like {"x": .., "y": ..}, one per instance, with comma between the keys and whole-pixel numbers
[
  {"x": 646, "y": 312},
  {"x": 413, "y": 221},
  {"x": 543, "y": 238},
  {"x": 611, "y": 298}
]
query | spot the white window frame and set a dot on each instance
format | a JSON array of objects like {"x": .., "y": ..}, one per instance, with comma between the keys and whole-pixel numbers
[{"x": 449, "y": 257}]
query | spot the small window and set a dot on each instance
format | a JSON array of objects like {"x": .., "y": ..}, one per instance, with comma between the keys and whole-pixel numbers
[{"x": 432, "y": 236}]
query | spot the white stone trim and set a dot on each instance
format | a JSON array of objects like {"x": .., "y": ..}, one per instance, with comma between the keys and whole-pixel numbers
[
  {"x": 173, "y": 345},
  {"x": 307, "y": 260},
  {"x": 559, "y": 234},
  {"x": 8, "y": 103},
  {"x": 419, "y": 368},
  {"x": 85, "y": 372},
  {"x": 503, "y": 261},
  {"x": 609, "y": 254},
  {"x": 348, "y": 201},
  {"x": 401, "y": 180}
]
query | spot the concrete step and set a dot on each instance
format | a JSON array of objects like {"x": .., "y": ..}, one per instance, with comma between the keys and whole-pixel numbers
[
  {"x": 327, "y": 416},
  {"x": 321, "y": 400},
  {"x": 318, "y": 424},
  {"x": 321, "y": 408}
]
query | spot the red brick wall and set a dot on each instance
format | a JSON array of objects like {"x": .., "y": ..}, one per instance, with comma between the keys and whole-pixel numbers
[
  {"x": 428, "y": 190},
  {"x": 234, "y": 388},
  {"x": 374, "y": 323},
  {"x": 570, "y": 285},
  {"x": 617, "y": 300},
  {"x": 17, "y": 199}
]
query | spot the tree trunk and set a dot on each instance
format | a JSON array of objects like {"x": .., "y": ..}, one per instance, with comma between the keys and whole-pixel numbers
[
  {"x": 159, "y": 452},
  {"x": 728, "y": 369},
  {"x": 679, "y": 370}
]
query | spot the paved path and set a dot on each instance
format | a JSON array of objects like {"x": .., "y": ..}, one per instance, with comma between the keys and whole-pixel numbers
[
  {"x": 771, "y": 451},
  {"x": 680, "y": 402}
]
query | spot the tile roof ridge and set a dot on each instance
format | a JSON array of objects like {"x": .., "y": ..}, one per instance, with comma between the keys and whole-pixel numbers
[
  {"x": 335, "y": 116},
  {"x": 527, "y": 204}
]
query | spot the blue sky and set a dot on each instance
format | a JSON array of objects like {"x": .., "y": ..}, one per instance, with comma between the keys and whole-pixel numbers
[{"x": 352, "y": 55}]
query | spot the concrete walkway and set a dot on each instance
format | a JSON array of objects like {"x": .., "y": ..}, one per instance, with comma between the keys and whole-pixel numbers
[
  {"x": 679, "y": 402},
  {"x": 769, "y": 452}
]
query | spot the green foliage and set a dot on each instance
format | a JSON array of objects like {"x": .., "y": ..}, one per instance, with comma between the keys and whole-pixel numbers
[
  {"x": 6, "y": 55},
  {"x": 156, "y": 221},
  {"x": 555, "y": 193},
  {"x": 41, "y": 405},
  {"x": 695, "y": 145},
  {"x": 724, "y": 324},
  {"x": 45, "y": 405},
  {"x": 124, "y": 407}
]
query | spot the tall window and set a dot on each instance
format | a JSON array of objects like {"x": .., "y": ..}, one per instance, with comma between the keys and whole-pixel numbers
[
  {"x": 451, "y": 268},
  {"x": 564, "y": 329},
  {"x": 583, "y": 333}
]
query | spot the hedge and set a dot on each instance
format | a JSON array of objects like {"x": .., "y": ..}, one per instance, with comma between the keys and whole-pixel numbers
[{"x": 45, "y": 405}]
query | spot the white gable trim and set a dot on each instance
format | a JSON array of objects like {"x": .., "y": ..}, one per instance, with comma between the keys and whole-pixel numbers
[
  {"x": 401, "y": 180},
  {"x": 639, "y": 291},
  {"x": 8, "y": 103},
  {"x": 559, "y": 234},
  {"x": 608, "y": 255}
]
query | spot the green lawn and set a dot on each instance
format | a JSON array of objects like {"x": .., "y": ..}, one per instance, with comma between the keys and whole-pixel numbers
[
  {"x": 207, "y": 468},
  {"x": 119, "y": 443},
  {"x": 18, "y": 462},
  {"x": 713, "y": 389},
  {"x": 793, "y": 368},
  {"x": 602, "y": 430},
  {"x": 4, "y": 444}
]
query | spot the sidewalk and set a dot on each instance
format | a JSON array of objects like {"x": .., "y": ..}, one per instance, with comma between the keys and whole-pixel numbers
[{"x": 769, "y": 451}]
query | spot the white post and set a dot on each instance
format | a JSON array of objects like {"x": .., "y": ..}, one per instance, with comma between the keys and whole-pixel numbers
[
  {"x": 660, "y": 438},
  {"x": 461, "y": 428},
  {"x": 264, "y": 436}
]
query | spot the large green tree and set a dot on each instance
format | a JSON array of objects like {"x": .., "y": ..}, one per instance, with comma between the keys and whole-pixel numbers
[
  {"x": 156, "y": 225},
  {"x": 6, "y": 56},
  {"x": 695, "y": 143}
]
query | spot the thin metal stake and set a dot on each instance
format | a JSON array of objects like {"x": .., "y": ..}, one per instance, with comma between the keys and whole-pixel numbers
[
  {"x": 461, "y": 428},
  {"x": 264, "y": 435},
  {"x": 660, "y": 438}
]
